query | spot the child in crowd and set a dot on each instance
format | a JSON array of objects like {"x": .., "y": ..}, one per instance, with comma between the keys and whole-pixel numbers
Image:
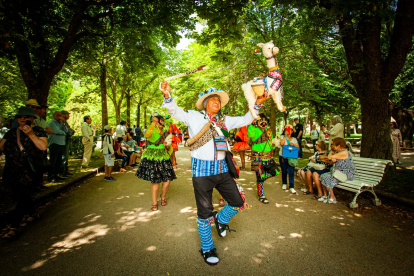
[{"x": 108, "y": 152}]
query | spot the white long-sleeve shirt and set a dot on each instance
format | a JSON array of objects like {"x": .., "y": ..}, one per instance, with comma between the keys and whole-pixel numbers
[
  {"x": 195, "y": 120},
  {"x": 87, "y": 132}
]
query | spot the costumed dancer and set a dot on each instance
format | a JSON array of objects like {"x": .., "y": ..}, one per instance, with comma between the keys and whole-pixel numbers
[
  {"x": 171, "y": 128},
  {"x": 155, "y": 163},
  {"x": 208, "y": 164},
  {"x": 262, "y": 148},
  {"x": 241, "y": 145}
]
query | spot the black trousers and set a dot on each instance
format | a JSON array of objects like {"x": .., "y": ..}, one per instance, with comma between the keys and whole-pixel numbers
[
  {"x": 24, "y": 204},
  {"x": 55, "y": 158},
  {"x": 203, "y": 191}
]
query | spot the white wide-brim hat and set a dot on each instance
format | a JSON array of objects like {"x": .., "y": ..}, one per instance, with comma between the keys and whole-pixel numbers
[{"x": 224, "y": 98}]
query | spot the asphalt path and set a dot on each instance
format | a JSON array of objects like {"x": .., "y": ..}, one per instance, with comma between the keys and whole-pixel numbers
[{"x": 107, "y": 228}]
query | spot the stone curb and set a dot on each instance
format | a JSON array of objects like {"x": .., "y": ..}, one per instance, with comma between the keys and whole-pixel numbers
[{"x": 42, "y": 198}]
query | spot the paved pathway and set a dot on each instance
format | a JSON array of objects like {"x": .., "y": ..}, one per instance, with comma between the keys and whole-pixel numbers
[{"x": 107, "y": 228}]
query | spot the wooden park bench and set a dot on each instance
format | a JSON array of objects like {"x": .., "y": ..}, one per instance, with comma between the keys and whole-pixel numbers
[{"x": 368, "y": 174}]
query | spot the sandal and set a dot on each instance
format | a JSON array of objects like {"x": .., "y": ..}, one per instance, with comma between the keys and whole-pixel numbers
[
  {"x": 11, "y": 234},
  {"x": 316, "y": 197},
  {"x": 30, "y": 220},
  {"x": 221, "y": 203},
  {"x": 163, "y": 202},
  {"x": 307, "y": 192},
  {"x": 154, "y": 207},
  {"x": 330, "y": 201},
  {"x": 263, "y": 200},
  {"x": 210, "y": 257}
]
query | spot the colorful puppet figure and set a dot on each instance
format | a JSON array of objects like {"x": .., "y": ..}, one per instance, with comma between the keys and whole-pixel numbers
[{"x": 262, "y": 137}]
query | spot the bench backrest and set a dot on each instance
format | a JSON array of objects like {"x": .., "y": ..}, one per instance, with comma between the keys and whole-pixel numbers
[{"x": 370, "y": 170}]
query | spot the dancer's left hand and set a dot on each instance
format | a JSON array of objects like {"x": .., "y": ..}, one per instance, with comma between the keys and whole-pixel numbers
[{"x": 262, "y": 99}]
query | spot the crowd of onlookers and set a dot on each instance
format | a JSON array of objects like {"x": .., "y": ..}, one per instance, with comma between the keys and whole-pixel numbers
[{"x": 32, "y": 146}]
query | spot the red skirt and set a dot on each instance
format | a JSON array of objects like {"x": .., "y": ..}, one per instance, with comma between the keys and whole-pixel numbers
[{"x": 241, "y": 146}]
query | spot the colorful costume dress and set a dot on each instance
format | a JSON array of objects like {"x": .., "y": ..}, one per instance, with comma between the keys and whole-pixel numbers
[
  {"x": 396, "y": 138},
  {"x": 155, "y": 163},
  {"x": 171, "y": 128},
  {"x": 241, "y": 137},
  {"x": 262, "y": 151},
  {"x": 209, "y": 168}
]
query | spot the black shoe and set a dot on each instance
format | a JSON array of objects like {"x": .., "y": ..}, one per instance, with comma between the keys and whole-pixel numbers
[
  {"x": 221, "y": 228},
  {"x": 210, "y": 254}
]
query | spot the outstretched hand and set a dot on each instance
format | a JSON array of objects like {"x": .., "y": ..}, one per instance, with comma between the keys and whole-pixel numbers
[
  {"x": 262, "y": 99},
  {"x": 165, "y": 89}
]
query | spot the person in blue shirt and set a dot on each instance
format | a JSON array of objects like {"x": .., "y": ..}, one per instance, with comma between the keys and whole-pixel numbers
[{"x": 57, "y": 142}]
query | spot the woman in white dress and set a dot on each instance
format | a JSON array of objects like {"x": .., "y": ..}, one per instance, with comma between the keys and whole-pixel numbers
[{"x": 396, "y": 142}]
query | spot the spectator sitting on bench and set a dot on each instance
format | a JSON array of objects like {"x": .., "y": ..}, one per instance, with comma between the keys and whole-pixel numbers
[
  {"x": 342, "y": 160},
  {"x": 130, "y": 140},
  {"x": 120, "y": 154},
  {"x": 129, "y": 151},
  {"x": 309, "y": 174}
]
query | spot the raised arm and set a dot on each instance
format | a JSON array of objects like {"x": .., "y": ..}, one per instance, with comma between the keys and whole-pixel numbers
[{"x": 176, "y": 112}]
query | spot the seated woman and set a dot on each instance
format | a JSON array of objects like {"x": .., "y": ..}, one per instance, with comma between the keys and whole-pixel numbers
[
  {"x": 342, "y": 161},
  {"x": 129, "y": 151},
  {"x": 130, "y": 140},
  {"x": 120, "y": 154},
  {"x": 306, "y": 173}
]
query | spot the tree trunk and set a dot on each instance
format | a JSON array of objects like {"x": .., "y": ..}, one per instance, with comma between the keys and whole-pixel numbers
[
  {"x": 348, "y": 130},
  {"x": 103, "y": 95},
  {"x": 139, "y": 115},
  {"x": 128, "y": 96},
  {"x": 40, "y": 90},
  {"x": 310, "y": 123},
  {"x": 145, "y": 116},
  {"x": 376, "y": 141},
  {"x": 356, "y": 128},
  {"x": 273, "y": 111}
]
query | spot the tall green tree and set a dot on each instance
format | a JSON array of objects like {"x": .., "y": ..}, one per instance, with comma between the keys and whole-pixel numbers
[{"x": 41, "y": 34}]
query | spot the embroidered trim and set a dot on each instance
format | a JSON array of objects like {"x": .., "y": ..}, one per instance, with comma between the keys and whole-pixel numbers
[
  {"x": 209, "y": 222},
  {"x": 168, "y": 100},
  {"x": 274, "y": 68},
  {"x": 257, "y": 106}
]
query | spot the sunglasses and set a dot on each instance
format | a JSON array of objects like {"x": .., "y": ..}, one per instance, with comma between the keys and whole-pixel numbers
[{"x": 23, "y": 117}]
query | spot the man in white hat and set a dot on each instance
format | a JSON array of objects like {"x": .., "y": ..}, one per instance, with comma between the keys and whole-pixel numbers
[{"x": 208, "y": 163}]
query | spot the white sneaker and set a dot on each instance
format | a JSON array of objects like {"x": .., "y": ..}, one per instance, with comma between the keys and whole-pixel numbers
[
  {"x": 284, "y": 187},
  {"x": 292, "y": 191}
]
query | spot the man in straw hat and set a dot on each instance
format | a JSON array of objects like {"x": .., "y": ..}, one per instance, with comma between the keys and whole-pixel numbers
[{"x": 208, "y": 163}]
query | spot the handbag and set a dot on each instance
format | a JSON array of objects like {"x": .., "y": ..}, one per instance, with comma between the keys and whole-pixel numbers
[
  {"x": 232, "y": 165},
  {"x": 255, "y": 164},
  {"x": 340, "y": 176},
  {"x": 220, "y": 142},
  {"x": 291, "y": 153},
  {"x": 316, "y": 166},
  {"x": 294, "y": 162},
  {"x": 38, "y": 162},
  {"x": 271, "y": 167}
]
